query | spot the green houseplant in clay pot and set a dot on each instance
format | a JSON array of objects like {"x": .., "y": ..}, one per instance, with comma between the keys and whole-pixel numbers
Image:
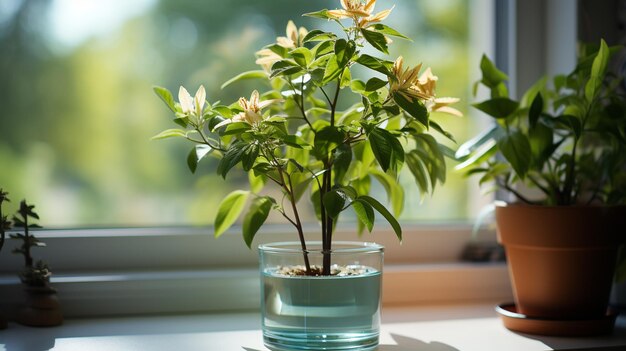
[
  {"x": 293, "y": 137},
  {"x": 568, "y": 143},
  {"x": 42, "y": 307}
]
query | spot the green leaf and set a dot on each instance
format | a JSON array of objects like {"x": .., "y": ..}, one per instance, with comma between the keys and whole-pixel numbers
[
  {"x": 249, "y": 155},
  {"x": 381, "y": 28},
  {"x": 516, "y": 149},
  {"x": 196, "y": 154},
  {"x": 229, "y": 209},
  {"x": 384, "y": 212},
  {"x": 441, "y": 131},
  {"x": 492, "y": 76},
  {"x": 362, "y": 185},
  {"x": 326, "y": 140},
  {"x": 302, "y": 56},
  {"x": 166, "y": 96},
  {"x": 258, "y": 74},
  {"x": 429, "y": 150},
  {"x": 481, "y": 154},
  {"x": 374, "y": 84},
  {"x": 318, "y": 35},
  {"x": 535, "y": 110},
  {"x": 319, "y": 14},
  {"x": 332, "y": 70},
  {"x": 475, "y": 143},
  {"x": 357, "y": 86},
  {"x": 365, "y": 213},
  {"x": 321, "y": 50},
  {"x": 284, "y": 68},
  {"x": 234, "y": 128},
  {"x": 170, "y": 133},
  {"x": 294, "y": 141},
  {"x": 256, "y": 182},
  {"x": 418, "y": 170},
  {"x": 531, "y": 93},
  {"x": 500, "y": 91},
  {"x": 600, "y": 62},
  {"x": 376, "y": 40},
  {"x": 500, "y": 107},
  {"x": 231, "y": 157},
  {"x": 254, "y": 219},
  {"x": 346, "y": 78},
  {"x": 376, "y": 64},
  {"x": 573, "y": 123},
  {"x": 598, "y": 69},
  {"x": 559, "y": 81},
  {"x": 414, "y": 108},
  {"x": 386, "y": 148},
  {"x": 334, "y": 202},
  {"x": 343, "y": 158},
  {"x": 540, "y": 138},
  {"x": 223, "y": 111},
  {"x": 344, "y": 50},
  {"x": 279, "y": 50},
  {"x": 395, "y": 192}
]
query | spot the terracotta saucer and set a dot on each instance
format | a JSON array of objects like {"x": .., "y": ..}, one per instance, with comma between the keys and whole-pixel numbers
[{"x": 569, "y": 327}]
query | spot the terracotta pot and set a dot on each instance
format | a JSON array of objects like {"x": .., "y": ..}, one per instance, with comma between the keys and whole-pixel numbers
[
  {"x": 561, "y": 259},
  {"x": 42, "y": 308}
]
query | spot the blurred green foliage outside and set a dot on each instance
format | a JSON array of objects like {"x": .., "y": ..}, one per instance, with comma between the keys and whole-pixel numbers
[{"x": 77, "y": 110}]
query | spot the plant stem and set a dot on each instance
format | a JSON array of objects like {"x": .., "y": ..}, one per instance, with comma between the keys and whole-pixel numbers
[
  {"x": 327, "y": 221},
  {"x": 301, "y": 104},
  {"x": 328, "y": 232},
  {"x": 516, "y": 193},
  {"x": 27, "y": 257},
  {"x": 298, "y": 223}
]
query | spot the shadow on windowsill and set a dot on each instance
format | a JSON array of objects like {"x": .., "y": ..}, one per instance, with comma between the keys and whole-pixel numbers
[
  {"x": 404, "y": 343},
  {"x": 611, "y": 342}
]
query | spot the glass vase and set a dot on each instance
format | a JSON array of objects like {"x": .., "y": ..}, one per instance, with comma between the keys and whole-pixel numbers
[{"x": 340, "y": 311}]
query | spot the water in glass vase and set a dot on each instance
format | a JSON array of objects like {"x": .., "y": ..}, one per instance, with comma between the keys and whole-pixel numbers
[{"x": 337, "y": 312}]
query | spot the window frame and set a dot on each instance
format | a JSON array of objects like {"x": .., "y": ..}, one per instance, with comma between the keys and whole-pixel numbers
[{"x": 110, "y": 271}]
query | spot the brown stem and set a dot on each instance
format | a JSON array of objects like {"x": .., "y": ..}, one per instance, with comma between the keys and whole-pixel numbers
[
  {"x": 328, "y": 230},
  {"x": 298, "y": 223},
  {"x": 516, "y": 193},
  {"x": 27, "y": 256}
]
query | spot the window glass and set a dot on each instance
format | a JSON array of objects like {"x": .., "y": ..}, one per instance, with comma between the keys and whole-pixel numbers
[{"x": 77, "y": 109}]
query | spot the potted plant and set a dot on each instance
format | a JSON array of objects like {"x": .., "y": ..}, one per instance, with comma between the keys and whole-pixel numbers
[
  {"x": 42, "y": 307},
  {"x": 568, "y": 144},
  {"x": 320, "y": 295}
]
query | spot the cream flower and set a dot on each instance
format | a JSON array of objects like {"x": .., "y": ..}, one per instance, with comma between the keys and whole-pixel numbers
[
  {"x": 406, "y": 83},
  {"x": 426, "y": 88},
  {"x": 266, "y": 58},
  {"x": 404, "y": 79},
  {"x": 192, "y": 106},
  {"x": 251, "y": 113},
  {"x": 360, "y": 12},
  {"x": 294, "y": 38}
]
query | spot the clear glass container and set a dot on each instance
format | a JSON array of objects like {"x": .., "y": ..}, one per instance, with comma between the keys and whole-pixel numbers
[{"x": 336, "y": 312}]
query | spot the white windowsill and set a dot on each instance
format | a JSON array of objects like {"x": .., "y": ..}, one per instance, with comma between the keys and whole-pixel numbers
[
  {"x": 469, "y": 327},
  {"x": 108, "y": 272},
  {"x": 200, "y": 291}
]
